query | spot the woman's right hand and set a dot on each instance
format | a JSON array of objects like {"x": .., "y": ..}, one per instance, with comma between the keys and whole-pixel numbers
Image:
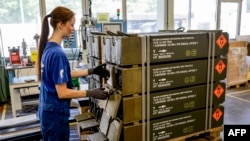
[{"x": 98, "y": 93}]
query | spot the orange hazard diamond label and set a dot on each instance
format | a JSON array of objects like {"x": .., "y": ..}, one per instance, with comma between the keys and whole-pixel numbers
[
  {"x": 217, "y": 114},
  {"x": 218, "y": 91},
  {"x": 220, "y": 66},
  {"x": 221, "y": 41}
]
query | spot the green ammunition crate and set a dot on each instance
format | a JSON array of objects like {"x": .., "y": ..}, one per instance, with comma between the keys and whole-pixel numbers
[
  {"x": 171, "y": 102},
  {"x": 167, "y": 76},
  {"x": 183, "y": 46},
  {"x": 175, "y": 126}
]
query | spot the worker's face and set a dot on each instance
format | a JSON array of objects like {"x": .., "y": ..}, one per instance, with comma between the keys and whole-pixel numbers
[{"x": 68, "y": 27}]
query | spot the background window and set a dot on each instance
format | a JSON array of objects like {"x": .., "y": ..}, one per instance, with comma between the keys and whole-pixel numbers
[
  {"x": 19, "y": 19},
  {"x": 195, "y": 9},
  {"x": 141, "y": 16},
  {"x": 181, "y": 13},
  {"x": 245, "y": 22},
  {"x": 229, "y": 18},
  {"x": 203, "y": 14},
  {"x": 107, "y": 6},
  {"x": 247, "y": 5}
]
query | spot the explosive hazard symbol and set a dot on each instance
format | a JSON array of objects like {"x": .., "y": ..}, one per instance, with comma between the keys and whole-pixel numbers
[
  {"x": 220, "y": 66},
  {"x": 218, "y": 91},
  {"x": 221, "y": 41},
  {"x": 217, "y": 114}
]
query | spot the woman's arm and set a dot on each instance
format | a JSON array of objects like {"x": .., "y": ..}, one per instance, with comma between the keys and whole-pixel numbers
[
  {"x": 64, "y": 92},
  {"x": 79, "y": 73}
]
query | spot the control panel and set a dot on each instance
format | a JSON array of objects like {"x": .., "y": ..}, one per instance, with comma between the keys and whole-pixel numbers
[{"x": 71, "y": 41}]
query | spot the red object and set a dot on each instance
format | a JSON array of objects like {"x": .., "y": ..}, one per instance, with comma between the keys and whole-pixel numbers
[{"x": 14, "y": 56}]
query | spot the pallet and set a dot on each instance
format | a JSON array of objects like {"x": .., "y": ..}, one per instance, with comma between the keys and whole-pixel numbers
[
  {"x": 238, "y": 85},
  {"x": 208, "y": 135}
]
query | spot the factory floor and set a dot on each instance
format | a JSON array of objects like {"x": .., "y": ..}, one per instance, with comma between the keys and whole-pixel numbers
[
  {"x": 237, "y": 111},
  {"x": 237, "y": 105}
]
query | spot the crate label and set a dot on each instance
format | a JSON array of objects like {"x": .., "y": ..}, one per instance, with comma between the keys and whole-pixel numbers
[
  {"x": 178, "y": 47},
  {"x": 178, "y": 74}
]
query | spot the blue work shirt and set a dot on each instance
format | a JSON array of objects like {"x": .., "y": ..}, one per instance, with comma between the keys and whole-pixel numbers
[{"x": 54, "y": 112}]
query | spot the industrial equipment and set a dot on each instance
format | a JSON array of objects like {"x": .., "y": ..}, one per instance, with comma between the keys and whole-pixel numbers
[{"x": 71, "y": 41}]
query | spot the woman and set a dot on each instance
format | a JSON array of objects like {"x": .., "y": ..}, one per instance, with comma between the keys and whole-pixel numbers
[{"x": 55, "y": 75}]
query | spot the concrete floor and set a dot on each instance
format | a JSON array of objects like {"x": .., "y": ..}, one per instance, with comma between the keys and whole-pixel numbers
[{"x": 237, "y": 105}]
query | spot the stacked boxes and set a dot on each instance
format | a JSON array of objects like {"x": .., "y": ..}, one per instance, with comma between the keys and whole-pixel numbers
[
  {"x": 237, "y": 63},
  {"x": 196, "y": 81},
  {"x": 176, "y": 77},
  {"x": 94, "y": 58}
]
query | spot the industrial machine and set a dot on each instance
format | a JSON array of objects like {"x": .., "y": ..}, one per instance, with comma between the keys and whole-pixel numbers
[{"x": 71, "y": 41}]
